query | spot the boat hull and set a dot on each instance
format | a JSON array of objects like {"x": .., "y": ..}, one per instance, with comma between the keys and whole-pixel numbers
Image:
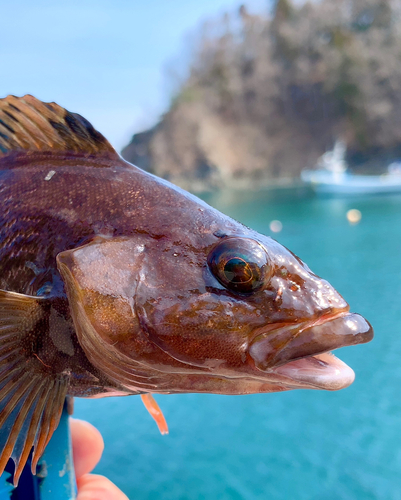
[{"x": 328, "y": 183}]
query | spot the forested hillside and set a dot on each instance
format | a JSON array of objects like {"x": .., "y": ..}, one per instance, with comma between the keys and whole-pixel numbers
[{"x": 266, "y": 95}]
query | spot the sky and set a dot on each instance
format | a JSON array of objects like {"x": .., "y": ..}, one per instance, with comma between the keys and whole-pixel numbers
[{"x": 104, "y": 59}]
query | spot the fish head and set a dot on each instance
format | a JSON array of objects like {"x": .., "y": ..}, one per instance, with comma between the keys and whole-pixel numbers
[{"x": 229, "y": 312}]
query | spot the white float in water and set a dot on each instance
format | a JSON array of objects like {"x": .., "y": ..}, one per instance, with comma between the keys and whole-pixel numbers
[
  {"x": 276, "y": 226},
  {"x": 354, "y": 216}
]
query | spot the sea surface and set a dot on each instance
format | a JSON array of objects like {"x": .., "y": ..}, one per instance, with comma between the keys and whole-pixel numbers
[{"x": 296, "y": 445}]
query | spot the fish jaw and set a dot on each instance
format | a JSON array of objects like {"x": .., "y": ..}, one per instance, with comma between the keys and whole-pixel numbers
[
  {"x": 305, "y": 360},
  {"x": 323, "y": 371}
]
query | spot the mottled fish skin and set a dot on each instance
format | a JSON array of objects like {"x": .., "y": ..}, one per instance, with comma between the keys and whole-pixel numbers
[{"x": 115, "y": 282}]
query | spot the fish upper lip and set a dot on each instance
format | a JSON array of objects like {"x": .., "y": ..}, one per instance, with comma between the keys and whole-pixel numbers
[
  {"x": 279, "y": 336},
  {"x": 284, "y": 352}
]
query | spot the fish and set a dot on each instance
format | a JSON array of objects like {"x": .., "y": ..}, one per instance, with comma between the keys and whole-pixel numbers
[{"x": 115, "y": 282}]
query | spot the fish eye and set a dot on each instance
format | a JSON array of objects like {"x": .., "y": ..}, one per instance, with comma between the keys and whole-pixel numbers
[{"x": 240, "y": 264}]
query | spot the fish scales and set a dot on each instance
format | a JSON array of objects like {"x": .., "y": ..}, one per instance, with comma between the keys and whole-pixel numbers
[{"x": 115, "y": 282}]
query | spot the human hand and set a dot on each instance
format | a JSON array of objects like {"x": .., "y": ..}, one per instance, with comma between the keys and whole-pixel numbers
[{"x": 87, "y": 447}]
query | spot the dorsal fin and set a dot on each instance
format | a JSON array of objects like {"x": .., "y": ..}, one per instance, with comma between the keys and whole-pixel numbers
[{"x": 27, "y": 124}]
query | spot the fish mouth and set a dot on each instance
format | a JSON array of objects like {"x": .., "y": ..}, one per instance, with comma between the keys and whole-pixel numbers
[{"x": 300, "y": 356}]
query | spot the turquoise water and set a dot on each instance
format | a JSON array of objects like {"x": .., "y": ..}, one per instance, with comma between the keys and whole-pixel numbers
[{"x": 298, "y": 445}]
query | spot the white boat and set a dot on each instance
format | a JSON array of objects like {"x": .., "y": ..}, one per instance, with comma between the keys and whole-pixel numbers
[{"x": 331, "y": 176}]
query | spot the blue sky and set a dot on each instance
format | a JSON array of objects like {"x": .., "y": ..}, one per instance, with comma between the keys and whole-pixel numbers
[{"x": 104, "y": 59}]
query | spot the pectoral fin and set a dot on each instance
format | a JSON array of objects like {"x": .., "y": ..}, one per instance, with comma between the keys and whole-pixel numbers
[{"x": 31, "y": 393}]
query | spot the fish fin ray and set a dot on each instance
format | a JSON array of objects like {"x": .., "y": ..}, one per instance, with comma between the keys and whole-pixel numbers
[
  {"x": 32, "y": 394},
  {"x": 155, "y": 412},
  {"x": 28, "y": 124}
]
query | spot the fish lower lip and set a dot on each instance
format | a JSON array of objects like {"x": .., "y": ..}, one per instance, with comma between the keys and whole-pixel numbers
[
  {"x": 300, "y": 352},
  {"x": 323, "y": 371}
]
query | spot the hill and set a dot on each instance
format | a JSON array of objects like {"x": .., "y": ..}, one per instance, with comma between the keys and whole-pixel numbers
[{"x": 266, "y": 95}]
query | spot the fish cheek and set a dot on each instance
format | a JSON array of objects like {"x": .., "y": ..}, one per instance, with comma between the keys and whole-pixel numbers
[{"x": 203, "y": 330}]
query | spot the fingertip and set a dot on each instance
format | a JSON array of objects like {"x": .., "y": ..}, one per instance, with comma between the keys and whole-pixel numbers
[
  {"x": 87, "y": 446},
  {"x": 93, "y": 486}
]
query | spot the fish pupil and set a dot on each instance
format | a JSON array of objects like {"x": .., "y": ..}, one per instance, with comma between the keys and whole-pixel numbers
[{"x": 238, "y": 270}]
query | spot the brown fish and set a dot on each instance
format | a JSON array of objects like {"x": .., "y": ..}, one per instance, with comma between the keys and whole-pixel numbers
[{"x": 115, "y": 282}]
